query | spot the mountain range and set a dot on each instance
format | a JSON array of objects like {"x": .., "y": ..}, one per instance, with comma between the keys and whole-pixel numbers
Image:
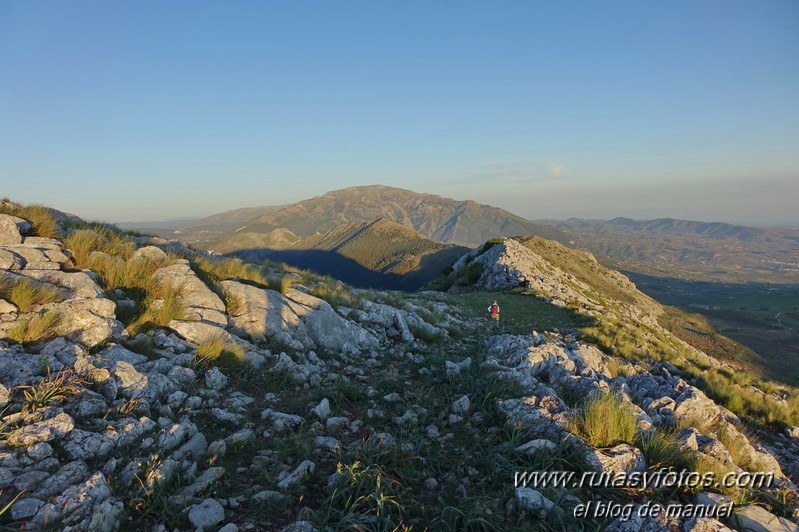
[{"x": 700, "y": 250}]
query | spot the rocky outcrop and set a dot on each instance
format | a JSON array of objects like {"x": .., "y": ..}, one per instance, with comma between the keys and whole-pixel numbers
[
  {"x": 205, "y": 315},
  {"x": 86, "y": 316},
  {"x": 296, "y": 319}
]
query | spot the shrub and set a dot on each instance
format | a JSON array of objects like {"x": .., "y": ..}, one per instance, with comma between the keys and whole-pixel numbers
[
  {"x": 489, "y": 244},
  {"x": 469, "y": 275},
  {"x": 25, "y": 293},
  {"x": 605, "y": 421}
]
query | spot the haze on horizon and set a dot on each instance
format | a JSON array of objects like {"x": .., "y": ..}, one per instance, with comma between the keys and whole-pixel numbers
[{"x": 137, "y": 111}]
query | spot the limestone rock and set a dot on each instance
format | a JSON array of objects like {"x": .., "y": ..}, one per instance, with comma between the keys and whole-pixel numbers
[
  {"x": 206, "y": 514},
  {"x": 9, "y": 232},
  {"x": 300, "y": 526},
  {"x": 89, "y": 321},
  {"x": 462, "y": 405},
  {"x": 25, "y": 508},
  {"x": 78, "y": 501},
  {"x": 215, "y": 379},
  {"x": 299, "y": 474},
  {"x": 43, "y": 431},
  {"x": 533, "y": 446},
  {"x": 529, "y": 500},
  {"x": 151, "y": 253},
  {"x": 10, "y": 260},
  {"x": 453, "y": 369},
  {"x": 295, "y": 318},
  {"x": 201, "y": 303},
  {"x": 757, "y": 519},
  {"x": 622, "y": 457},
  {"x": 322, "y": 410}
]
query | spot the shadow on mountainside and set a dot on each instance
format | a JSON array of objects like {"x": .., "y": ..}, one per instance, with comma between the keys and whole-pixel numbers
[{"x": 350, "y": 271}]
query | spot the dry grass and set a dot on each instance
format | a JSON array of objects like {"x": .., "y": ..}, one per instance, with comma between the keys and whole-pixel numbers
[
  {"x": 83, "y": 239},
  {"x": 43, "y": 222},
  {"x": 26, "y": 293},
  {"x": 37, "y": 328},
  {"x": 663, "y": 449},
  {"x": 233, "y": 303},
  {"x": 162, "y": 305},
  {"x": 283, "y": 283},
  {"x": 216, "y": 269},
  {"x": 217, "y": 350}
]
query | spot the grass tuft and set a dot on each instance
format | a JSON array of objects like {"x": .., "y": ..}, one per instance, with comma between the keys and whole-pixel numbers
[
  {"x": 26, "y": 293},
  {"x": 53, "y": 388},
  {"x": 162, "y": 305},
  {"x": 218, "y": 350},
  {"x": 662, "y": 449},
  {"x": 37, "y": 328},
  {"x": 606, "y": 420},
  {"x": 283, "y": 283},
  {"x": 43, "y": 222}
]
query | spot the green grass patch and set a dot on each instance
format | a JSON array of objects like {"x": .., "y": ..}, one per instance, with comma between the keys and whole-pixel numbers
[
  {"x": 662, "y": 449},
  {"x": 605, "y": 420},
  {"x": 53, "y": 388}
]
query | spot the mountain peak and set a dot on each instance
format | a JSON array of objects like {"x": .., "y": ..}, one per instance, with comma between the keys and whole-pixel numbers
[{"x": 436, "y": 217}]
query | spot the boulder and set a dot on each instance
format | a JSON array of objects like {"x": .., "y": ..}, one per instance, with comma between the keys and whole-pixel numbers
[
  {"x": 9, "y": 232},
  {"x": 529, "y": 500},
  {"x": 295, "y": 318},
  {"x": 89, "y": 321},
  {"x": 622, "y": 457},
  {"x": 206, "y": 514},
  {"x": 200, "y": 302}
]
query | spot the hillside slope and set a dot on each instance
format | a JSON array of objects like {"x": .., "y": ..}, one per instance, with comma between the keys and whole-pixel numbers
[{"x": 380, "y": 254}]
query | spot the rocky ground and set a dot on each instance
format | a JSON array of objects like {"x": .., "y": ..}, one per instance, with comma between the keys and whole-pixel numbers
[{"x": 382, "y": 412}]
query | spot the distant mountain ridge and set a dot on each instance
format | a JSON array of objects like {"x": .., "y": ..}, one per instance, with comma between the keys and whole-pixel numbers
[
  {"x": 717, "y": 230},
  {"x": 438, "y": 218},
  {"x": 668, "y": 246}
]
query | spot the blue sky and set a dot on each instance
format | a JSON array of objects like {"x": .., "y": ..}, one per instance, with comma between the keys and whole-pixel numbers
[{"x": 160, "y": 110}]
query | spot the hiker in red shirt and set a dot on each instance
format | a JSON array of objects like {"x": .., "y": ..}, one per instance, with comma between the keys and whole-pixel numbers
[{"x": 493, "y": 310}]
